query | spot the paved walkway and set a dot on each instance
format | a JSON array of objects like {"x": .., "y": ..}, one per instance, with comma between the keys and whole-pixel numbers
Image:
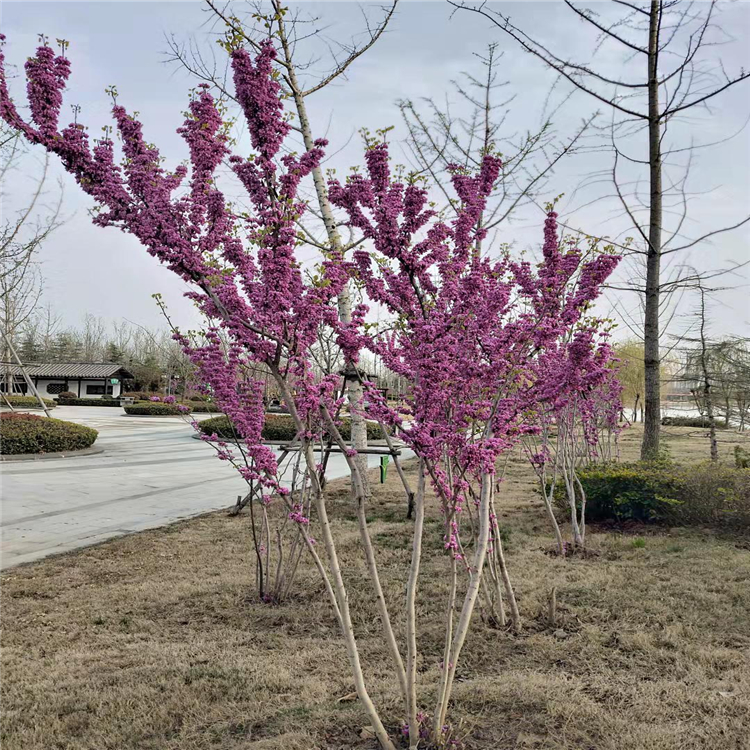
[{"x": 152, "y": 472}]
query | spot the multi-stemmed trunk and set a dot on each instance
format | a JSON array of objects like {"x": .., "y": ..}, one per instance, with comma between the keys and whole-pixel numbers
[
  {"x": 455, "y": 643},
  {"x": 335, "y": 584}
]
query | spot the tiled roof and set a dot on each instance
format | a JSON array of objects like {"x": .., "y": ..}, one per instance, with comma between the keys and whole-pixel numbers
[{"x": 71, "y": 370}]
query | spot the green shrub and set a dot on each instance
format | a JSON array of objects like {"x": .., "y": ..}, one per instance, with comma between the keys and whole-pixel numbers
[
  {"x": 689, "y": 422},
  {"x": 741, "y": 457},
  {"x": 88, "y": 402},
  {"x": 203, "y": 407},
  {"x": 278, "y": 428},
  {"x": 155, "y": 408},
  {"x": 714, "y": 494},
  {"x": 66, "y": 394},
  {"x": 29, "y": 433},
  {"x": 26, "y": 402},
  {"x": 710, "y": 493},
  {"x": 643, "y": 491},
  {"x": 141, "y": 395}
]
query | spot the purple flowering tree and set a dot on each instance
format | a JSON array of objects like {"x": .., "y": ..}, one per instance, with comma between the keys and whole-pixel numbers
[
  {"x": 469, "y": 332},
  {"x": 242, "y": 267},
  {"x": 244, "y": 275},
  {"x": 575, "y": 425}
]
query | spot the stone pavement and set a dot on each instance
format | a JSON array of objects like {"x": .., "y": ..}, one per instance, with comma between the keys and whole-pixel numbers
[{"x": 152, "y": 472}]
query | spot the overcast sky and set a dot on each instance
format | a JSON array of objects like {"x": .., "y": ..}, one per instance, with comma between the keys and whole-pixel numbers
[{"x": 106, "y": 273}]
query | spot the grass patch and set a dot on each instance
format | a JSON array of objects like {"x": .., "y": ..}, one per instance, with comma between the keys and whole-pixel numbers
[{"x": 153, "y": 641}]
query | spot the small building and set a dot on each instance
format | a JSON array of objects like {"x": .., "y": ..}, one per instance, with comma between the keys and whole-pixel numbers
[{"x": 86, "y": 380}]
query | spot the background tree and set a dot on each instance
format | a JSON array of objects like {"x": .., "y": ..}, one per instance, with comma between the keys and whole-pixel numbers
[
  {"x": 630, "y": 373},
  {"x": 441, "y": 136},
  {"x": 22, "y": 233},
  {"x": 292, "y": 34},
  {"x": 113, "y": 353},
  {"x": 672, "y": 39},
  {"x": 699, "y": 368}
]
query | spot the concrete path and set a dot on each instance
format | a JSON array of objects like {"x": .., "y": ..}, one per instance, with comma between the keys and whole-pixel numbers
[{"x": 152, "y": 472}]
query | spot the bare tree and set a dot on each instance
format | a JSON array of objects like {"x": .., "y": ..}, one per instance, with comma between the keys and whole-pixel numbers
[
  {"x": 442, "y": 137},
  {"x": 671, "y": 39},
  {"x": 21, "y": 234},
  {"x": 717, "y": 374},
  {"x": 698, "y": 353},
  {"x": 705, "y": 374},
  {"x": 731, "y": 377}
]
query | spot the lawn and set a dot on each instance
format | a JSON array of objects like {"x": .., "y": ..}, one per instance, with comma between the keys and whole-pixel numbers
[{"x": 153, "y": 641}]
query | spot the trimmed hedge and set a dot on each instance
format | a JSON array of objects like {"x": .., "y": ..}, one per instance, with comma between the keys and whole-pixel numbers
[
  {"x": 88, "y": 402},
  {"x": 641, "y": 491},
  {"x": 142, "y": 395},
  {"x": 278, "y": 427},
  {"x": 25, "y": 402},
  {"x": 690, "y": 422},
  {"x": 30, "y": 433},
  {"x": 155, "y": 408},
  {"x": 707, "y": 493},
  {"x": 66, "y": 394},
  {"x": 203, "y": 407}
]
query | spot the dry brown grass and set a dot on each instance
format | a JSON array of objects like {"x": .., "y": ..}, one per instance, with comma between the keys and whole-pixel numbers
[{"x": 153, "y": 641}]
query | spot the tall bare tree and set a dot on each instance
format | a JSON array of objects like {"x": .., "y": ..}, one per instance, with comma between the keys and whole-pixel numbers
[
  {"x": 670, "y": 41},
  {"x": 443, "y": 136},
  {"x": 22, "y": 233}
]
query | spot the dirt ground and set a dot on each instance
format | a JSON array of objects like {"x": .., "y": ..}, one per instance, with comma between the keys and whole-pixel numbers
[{"x": 154, "y": 641}]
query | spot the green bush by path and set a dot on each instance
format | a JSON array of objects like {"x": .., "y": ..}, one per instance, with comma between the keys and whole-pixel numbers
[
  {"x": 88, "y": 402},
  {"x": 141, "y": 395},
  {"x": 155, "y": 408},
  {"x": 701, "y": 422},
  {"x": 26, "y": 402},
  {"x": 203, "y": 407},
  {"x": 30, "y": 433},
  {"x": 708, "y": 493},
  {"x": 279, "y": 427}
]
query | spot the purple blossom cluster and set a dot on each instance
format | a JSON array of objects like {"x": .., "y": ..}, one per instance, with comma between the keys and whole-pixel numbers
[
  {"x": 242, "y": 265},
  {"x": 482, "y": 342}
]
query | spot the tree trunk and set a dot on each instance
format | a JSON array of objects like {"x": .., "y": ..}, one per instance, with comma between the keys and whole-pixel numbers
[
  {"x": 26, "y": 377},
  {"x": 411, "y": 614},
  {"x": 652, "y": 356},
  {"x": 707, "y": 397},
  {"x": 354, "y": 390},
  {"x": 470, "y": 598},
  {"x": 727, "y": 411}
]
